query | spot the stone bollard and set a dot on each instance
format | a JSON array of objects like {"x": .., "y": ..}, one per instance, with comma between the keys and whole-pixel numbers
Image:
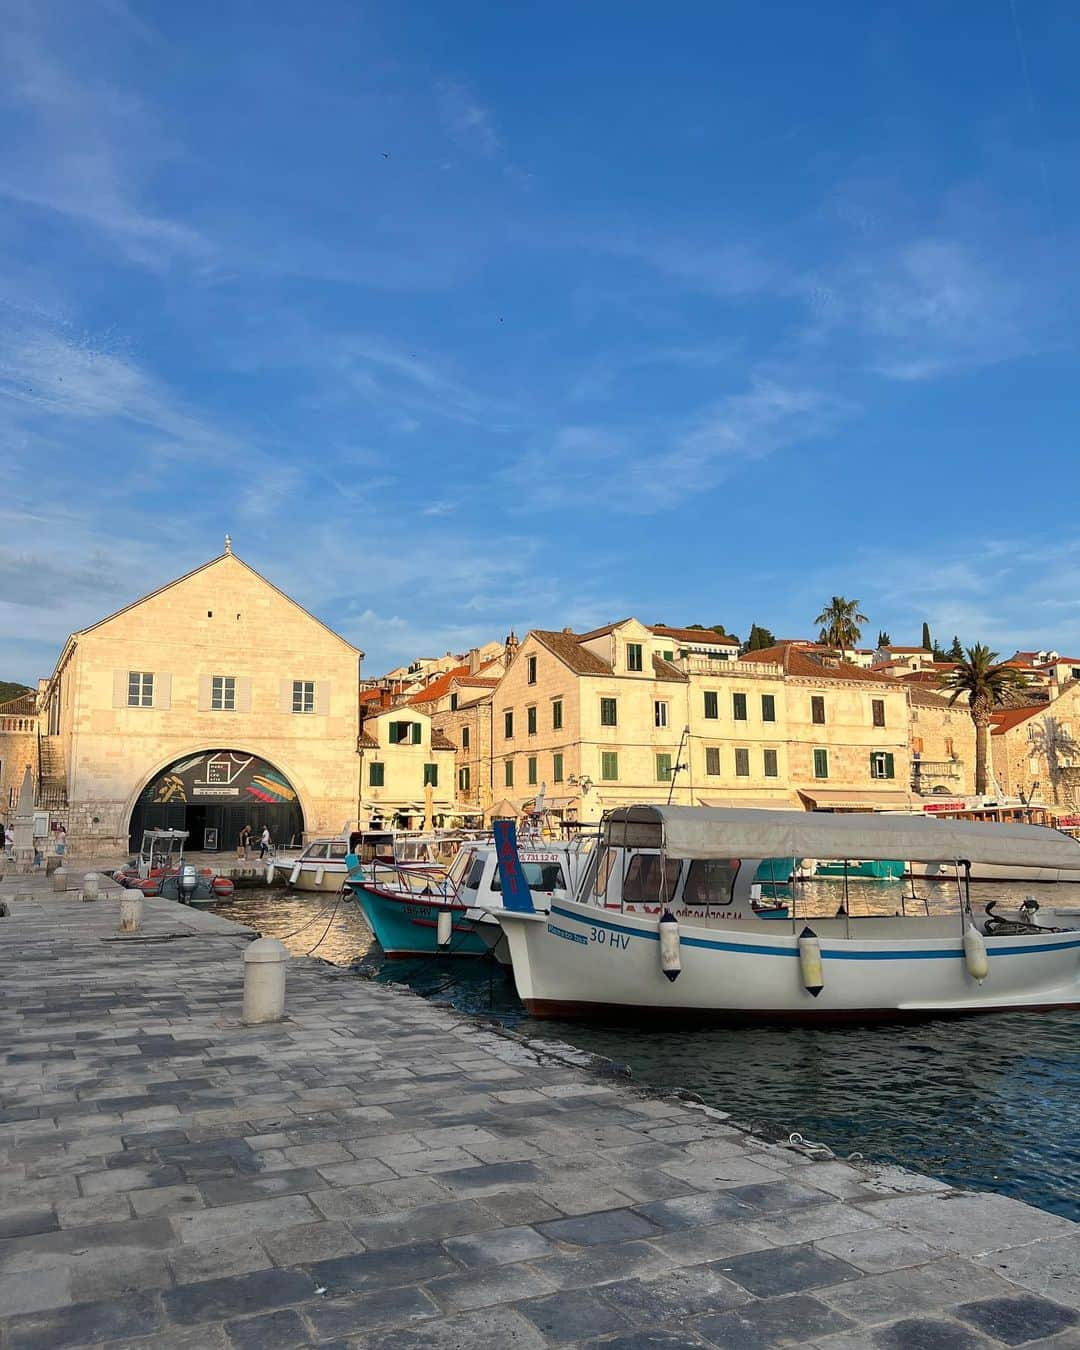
[
  {"x": 52, "y": 862},
  {"x": 264, "y": 981},
  {"x": 59, "y": 880},
  {"x": 91, "y": 887},
  {"x": 131, "y": 905}
]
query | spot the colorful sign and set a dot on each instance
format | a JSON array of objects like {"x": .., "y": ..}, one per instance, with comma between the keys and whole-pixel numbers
[
  {"x": 220, "y": 776},
  {"x": 515, "y": 889},
  {"x": 944, "y": 806}
]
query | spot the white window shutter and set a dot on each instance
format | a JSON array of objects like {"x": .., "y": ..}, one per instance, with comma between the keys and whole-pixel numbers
[
  {"x": 204, "y": 693},
  {"x": 285, "y": 696},
  {"x": 163, "y": 692},
  {"x": 120, "y": 688},
  {"x": 322, "y": 698},
  {"x": 243, "y": 694}
]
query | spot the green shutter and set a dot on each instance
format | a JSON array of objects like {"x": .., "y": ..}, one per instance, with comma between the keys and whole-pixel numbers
[
  {"x": 509, "y": 773},
  {"x": 889, "y": 772},
  {"x": 375, "y": 774},
  {"x": 416, "y": 729},
  {"x": 532, "y": 770},
  {"x": 431, "y": 775},
  {"x": 609, "y": 766},
  {"x": 556, "y": 769}
]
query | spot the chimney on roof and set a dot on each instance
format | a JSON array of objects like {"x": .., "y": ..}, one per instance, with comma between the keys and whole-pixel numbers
[
  {"x": 568, "y": 631},
  {"x": 474, "y": 660}
]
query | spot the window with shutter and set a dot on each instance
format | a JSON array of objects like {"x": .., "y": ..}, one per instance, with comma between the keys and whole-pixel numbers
[
  {"x": 376, "y": 774},
  {"x": 738, "y": 707},
  {"x": 817, "y": 710},
  {"x": 608, "y": 712},
  {"x": 712, "y": 704},
  {"x": 431, "y": 775},
  {"x": 556, "y": 769},
  {"x": 609, "y": 766},
  {"x": 712, "y": 759},
  {"x": 663, "y": 768},
  {"x": 877, "y": 707},
  {"x": 633, "y": 656},
  {"x": 530, "y": 720},
  {"x": 556, "y": 715},
  {"x": 768, "y": 707},
  {"x": 464, "y": 738},
  {"x": 742, "y": 762},
  {"x": 769, "y": 763},
  {"x": 508, "y": 773},
  {"x": 821, "y": 763},
  {"x": 416, "y": 730},
  {"x": 508, "y": 724},
  {"x": 532, "y": 770}
]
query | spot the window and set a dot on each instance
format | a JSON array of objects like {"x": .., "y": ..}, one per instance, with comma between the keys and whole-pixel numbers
[
  {"x": 660, "y": 713},
  {"x": 556, "y": 769},
  {"x": 710, "y": 881},
  {"x": 768, "y": 707},
  {"x": 663, "y": 768},
  {"x": 609, "y": 766},
  {"x": 712, "y": 759},
  {"x": 376, "y": 774},
  {"x": 949, "y": 747},
  {"x": 817, "y": 710},
  {"x": 738, "y": 707},
  {"x": 742, "y": 763},
  {"x": 556, "y": 715},
  {"x": 821, "y": 763},
  {"x": 881, "y": 765},
  {"x": 769, "y": 763},
  {"x": 140, "y": 689},
  {"x": 463, "y": 779},
  {"x": 669, "y": 656},
  {"x": 223, "y": 693},
  {"x": 712, "y": 705},
  {"x": 404, "y": 733},
  {"x": 431, "y": 775},
  {"x": 530, "y": 720},
  {"x": 508, "y": 724},
  {"x": 608, "y": 713},
  {"x": 508, "y": 773},
  {"x": 877, "y": 708},
  {"x": 916, "y": 746},
  {"x": 303, "y": 696},
  {"x": 532, "y": 770},
  {"x": 530, "y": 670},
  {"x": 545, "y": 877},
  {"x": 633, "y": 656},
  {"x": 453, "y": 702},
  {"x": 1075, "y": 673},
  {"x": 464, "y": 738},
  {"x": 645, "y": 875}
]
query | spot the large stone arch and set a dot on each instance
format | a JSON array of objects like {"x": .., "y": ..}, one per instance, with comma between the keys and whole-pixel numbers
[{"x": 219, "y": 787}]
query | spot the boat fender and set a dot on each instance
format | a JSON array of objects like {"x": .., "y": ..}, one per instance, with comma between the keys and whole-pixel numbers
[
  {"x": 269, "y": 874},
  {"x": 319, "y": 872},
  {"x": 444, "y": 927},
  {"x": 294, "y": 875},
  {"x": 976, "y": 957},
  {"x": 670, "y": 960},
  {"x": 810, "y": 963}
]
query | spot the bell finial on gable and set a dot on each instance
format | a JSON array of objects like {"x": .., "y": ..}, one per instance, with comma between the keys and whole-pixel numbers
[{"x": 228, "y": 543}]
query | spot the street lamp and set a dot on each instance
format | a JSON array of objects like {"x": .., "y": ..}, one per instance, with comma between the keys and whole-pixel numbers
[{"x": 584, "y": 782}]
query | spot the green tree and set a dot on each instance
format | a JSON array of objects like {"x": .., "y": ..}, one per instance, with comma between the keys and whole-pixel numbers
[
  {"x": 759, "y": 639},
  {"x": 987, "y": 684},
  {"x": 9, "y": 689},
  {"x": 840, "y": 622},
  {"x": 956, "y": 651},
  {"x": 926, "y": 640},
  {"x": 717, "y": 628},
  {"x": 883, "y": 638}
]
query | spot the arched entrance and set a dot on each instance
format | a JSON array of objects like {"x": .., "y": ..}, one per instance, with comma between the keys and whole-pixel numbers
[{"x": 213, "y": 795}]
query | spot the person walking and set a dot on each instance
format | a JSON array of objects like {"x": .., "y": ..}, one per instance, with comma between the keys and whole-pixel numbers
[
  {"x": 61, "y": 841},
  {"x": 264, "y": 841},
  {"x": 243, "y": 843}
]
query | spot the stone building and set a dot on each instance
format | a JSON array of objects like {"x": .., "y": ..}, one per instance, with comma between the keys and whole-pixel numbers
[
  {"x": 18, "y": 749},
  {"x": 942, "y": 745},
  {"x": 213, "y": 702},
  {"x": 403, "y": 755},
  {"x": 1035, "y": 750}
]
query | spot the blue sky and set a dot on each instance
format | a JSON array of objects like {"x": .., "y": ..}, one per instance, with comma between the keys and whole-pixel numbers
[{"x": 463, "y": 317}]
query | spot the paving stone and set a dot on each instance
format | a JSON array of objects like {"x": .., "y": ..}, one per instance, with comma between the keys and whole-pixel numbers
[
  {"x": 971, "y": 1224},
  {"x": 23, "y": 1222},
  {"x": 592, "y": 1266},
  {"x": 86, "y": 1323},
  {"x": 493, "y": 1177},
  {"x": 573, "y": 1314},
  {"x": 612, "y": 1225},
  {"x": 311, "y": 1242},
  {"x": 234, "y": 1295},
  {"x": 383, "y": 1197},
  {"x": 651, "y": 1339},
  {"x": 380, "y": 1308},
  {"x": 941, "y": 1284},
  {"x": 697, "y": 1211},
  {"x": 33, "y": 1291},
  {"x": 1051, "y": 1268},
  {"x": 281, "y": 1330},
  {"x": 96, "y": 1277},
  {"x": 926, "y": 1333},
  {"x": 224, "y": 1221},
  {"x": 673, "y": 1295},
  {"x": 879, "y": 1249},
  {"x": 120, "y": 1241},
  {"x": 127, "y": 1179},
  {"x": 692, "y": 1246},
  {"x": 771, "y": 1322},
  {"x": 485, "y": 1288},
  {"x": 787, "y": 1270},
  {"x": 209, "y": 1260},
  {"x": 393, "y": 1266},
  {"x": 499, "y": 1246},
  {"x": 811, "y": 1224},
  {"x": 428, "y": 1223},
  {"x": 166, "y": 1200},
  {"x": 484, "y": 1329},
  {"x": 1018, "y": 1320},
  {"x": 513, "y": 1207}
]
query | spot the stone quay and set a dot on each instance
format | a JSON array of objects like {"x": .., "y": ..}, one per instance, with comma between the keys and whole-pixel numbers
[{"x": 376, "y": 1171}]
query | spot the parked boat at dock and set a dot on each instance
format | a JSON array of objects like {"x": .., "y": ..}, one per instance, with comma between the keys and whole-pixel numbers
[
  {"x": 625, "y": 946},
  {"x": 992, "y": 811},
  {"x": 160, "y": 869}
]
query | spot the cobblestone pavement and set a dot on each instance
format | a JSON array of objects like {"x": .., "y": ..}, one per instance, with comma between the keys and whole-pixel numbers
[{"x": 379, "y": 1172}]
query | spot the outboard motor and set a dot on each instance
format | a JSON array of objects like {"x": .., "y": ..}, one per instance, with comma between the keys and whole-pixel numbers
[{"x": 188, "y": 880}]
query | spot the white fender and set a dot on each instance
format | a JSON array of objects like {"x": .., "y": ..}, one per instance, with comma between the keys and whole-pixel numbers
[
  {"x": 319, "y": 876},
  {"x": 269, "y": 874},
  {"x": 294, "y": 875},
  {"x": 444, "y": 927},
  {"x": 670, "y": 959},
  {"x": 976, "y": 957},
  {"x": 810, "y": 963}
]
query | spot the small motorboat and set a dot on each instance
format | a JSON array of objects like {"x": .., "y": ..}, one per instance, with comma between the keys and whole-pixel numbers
[{"x": 160, "y": 869}]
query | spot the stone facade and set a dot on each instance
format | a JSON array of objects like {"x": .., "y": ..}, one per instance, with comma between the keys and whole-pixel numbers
[
  {"x": 942, "y": 745},
  {"x": 1037, "y": 750},
  {"x": 18, "y": 749},
  {"x": 402, "y": 755},
  {"x": 221, "y": 620}
]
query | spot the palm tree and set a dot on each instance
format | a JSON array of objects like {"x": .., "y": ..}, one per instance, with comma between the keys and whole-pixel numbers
[
  {"x": 987, "y": 683},
  {"x": 840, "y": 622}
]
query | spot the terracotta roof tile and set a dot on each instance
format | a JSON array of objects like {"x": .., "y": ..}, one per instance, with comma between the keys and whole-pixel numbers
[
  {"x": 664, "y": 670},
  {"x": 806, "y": 665},
  {"x": 368, "y": 742},
  {"x": 567, "y": 647},
  {"x": 693, "y": 635},
  {"x": 440, "y": 741},
  {"x": 1006, "y": 718}
]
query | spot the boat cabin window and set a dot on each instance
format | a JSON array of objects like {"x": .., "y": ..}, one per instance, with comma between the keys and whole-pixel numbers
[
  {"x": 461, "y": 865},
  {"x": 710, "y": 881},
  {"x": 475, "y": 873},
  {"x": 605, "y": 860},
  {"x": 376, "y": 846},
  {"x": 338, "y": 851},
  {"x": 642, "y": 880},
  {"x": 316, "y": 851},
  {"x": 544, "y": 877}
]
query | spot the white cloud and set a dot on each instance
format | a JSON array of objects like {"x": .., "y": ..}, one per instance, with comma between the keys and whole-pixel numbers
[{"x": 468, "y": 123}]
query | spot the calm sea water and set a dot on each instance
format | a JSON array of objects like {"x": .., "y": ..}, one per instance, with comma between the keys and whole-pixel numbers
[{"x": 991, "y": 1103}]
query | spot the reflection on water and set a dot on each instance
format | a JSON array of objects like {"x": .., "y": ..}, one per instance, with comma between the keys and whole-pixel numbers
[{"x": 990, "y": 1102}]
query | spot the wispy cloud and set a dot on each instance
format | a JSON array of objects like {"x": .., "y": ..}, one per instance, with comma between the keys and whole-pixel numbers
[{"x": 468, "y": 123}]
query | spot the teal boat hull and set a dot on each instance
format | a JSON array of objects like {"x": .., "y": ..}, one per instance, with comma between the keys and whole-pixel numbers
[
  {"x": 875, "y": 870},
  {"x": 409, "y": 927}
]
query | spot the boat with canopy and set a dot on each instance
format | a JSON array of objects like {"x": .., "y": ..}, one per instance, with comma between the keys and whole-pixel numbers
[{"x": 619, "y": 949}]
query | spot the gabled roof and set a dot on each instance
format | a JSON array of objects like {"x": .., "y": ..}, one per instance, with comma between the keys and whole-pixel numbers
[
  {"x": 664, "y": 670},
  {"x": 368, "y": 742},
  {"x": 1004, "y": 719},
  {"x": 927, "y": 698},
  {"x": 913, "y": 651},
  {"x": 567, "y": 647},
  {"x": 705, "y": 635},
  {"x": 440, "y": 686},
  {"x": 600, "y": 632},
  {"x": 440, "y": 741},
  {"x": 222, "y": 557},
  {"x": 794, "y": 660}
]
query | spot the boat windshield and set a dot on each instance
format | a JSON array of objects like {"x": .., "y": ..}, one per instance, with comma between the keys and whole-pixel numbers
[
  {"x": 540, "y": 876},
  {"x": 642, "y": 882},
  {"x": 711, "y": 881}
]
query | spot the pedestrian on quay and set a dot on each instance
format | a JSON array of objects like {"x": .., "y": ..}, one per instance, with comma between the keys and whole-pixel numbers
[
  {"x": 61, "y": 840},
  {"x": 264, "y": 841},
  {"x": 9, "y": 840},
  {"x": 243, "y": 843}
]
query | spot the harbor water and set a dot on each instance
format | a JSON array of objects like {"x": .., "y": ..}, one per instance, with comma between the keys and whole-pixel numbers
[{"x": 989, "y": 1103}]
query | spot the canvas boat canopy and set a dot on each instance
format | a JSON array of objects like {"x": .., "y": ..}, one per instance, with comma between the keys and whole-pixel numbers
[{"x": 715, "y": 832}]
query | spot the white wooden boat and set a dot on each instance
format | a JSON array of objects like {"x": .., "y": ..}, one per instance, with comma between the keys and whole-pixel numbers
[
  {"x": 619, "y": 949},
  {"x": 991, "y": 811}
]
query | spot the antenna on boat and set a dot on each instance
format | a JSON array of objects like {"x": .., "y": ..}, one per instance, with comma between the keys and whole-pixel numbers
[{"x": 678, "y": 765}]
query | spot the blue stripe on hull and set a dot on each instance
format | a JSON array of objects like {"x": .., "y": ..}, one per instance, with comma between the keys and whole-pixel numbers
[
  {"x": 409, "y": 927},
  {"x": 833, "y": 953}
]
